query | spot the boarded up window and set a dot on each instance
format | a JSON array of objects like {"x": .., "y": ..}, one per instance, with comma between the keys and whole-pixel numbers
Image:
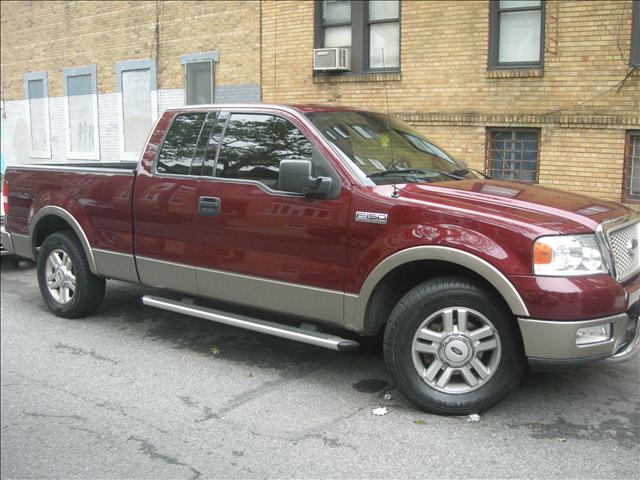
[
  {"x": 38, "y": 117},
  {"x": 136, "y": 108},
  {"x": 199, "y": 83},
  {"x": 82, "y": 113}
]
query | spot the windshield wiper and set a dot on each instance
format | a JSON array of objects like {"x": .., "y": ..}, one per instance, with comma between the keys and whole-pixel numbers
[{"x": 394, "y": 171}]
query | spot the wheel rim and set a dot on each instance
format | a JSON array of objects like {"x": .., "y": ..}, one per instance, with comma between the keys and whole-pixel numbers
[
  {"x": 60, "y": 276},
  {"x": 456, "y": 350}
]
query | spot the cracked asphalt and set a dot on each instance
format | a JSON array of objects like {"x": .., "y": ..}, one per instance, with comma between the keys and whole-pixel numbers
[{"x": 134, "y": 392}]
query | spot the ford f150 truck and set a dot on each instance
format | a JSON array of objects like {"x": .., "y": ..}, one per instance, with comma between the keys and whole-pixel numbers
[{"x": 337, "y": 220}]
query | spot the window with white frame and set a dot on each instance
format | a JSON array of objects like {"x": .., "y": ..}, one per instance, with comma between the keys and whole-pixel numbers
[
  {"x": 136, "y": 81},
  {"x": 198, "y": 77},
  {"x": 35, "y": 87},
  {"x": 81, "y": 112}
]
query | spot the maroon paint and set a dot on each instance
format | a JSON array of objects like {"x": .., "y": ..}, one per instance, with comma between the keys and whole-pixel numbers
[{"x": 317, "y": 242}]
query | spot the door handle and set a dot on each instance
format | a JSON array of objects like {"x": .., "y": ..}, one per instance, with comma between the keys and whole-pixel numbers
[{"x": 209, "y": 206}]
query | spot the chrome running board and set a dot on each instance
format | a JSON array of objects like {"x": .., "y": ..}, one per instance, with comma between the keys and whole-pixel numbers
[{"x": 311, "y": 337}]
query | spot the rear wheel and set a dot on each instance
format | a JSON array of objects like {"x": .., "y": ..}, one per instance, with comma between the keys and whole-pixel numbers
[
  {"x": 66, "y": 283},
  {"x": 451, "y": 348}
]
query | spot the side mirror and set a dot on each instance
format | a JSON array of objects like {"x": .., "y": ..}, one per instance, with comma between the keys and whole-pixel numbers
[{"x": 295, "y": 176}]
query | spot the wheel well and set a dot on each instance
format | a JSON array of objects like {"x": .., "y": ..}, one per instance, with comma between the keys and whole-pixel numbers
[
  {"x": 395, "y": 284},
  {"x": 46, "y": 226}
]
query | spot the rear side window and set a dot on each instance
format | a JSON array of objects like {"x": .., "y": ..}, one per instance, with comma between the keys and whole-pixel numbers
[
  {"x": 179, "y": 145},
  {"x": 254, "y": 145}
]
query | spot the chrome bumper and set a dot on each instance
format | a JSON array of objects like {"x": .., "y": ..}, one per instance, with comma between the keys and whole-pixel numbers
[
  {"x": 6, "y": 242},
  {"x": 553, "y": 343}
]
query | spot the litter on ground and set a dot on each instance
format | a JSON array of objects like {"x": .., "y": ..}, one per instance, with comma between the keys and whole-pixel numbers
[
  {"x": 380, "y": 411},
  {"x": 474, "y": 417}
]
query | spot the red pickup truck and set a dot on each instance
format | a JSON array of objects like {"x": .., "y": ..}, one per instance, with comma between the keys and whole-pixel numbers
[{"x": 340, "y": 220}]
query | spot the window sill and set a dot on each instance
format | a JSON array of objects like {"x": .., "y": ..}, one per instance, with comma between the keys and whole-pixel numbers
[
  {"x": 514, "y": 73},
  {"x": 358, "y": 77}
]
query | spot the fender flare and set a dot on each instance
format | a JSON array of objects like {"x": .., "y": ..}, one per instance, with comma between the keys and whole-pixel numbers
[
  {"x": 356, "y": 305},
  {"x": 73, "y": 223}
]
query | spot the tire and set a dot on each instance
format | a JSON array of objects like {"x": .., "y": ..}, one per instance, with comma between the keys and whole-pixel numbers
[
  {"x": 443, "y": 335},
  {"x": 84, "y": 294}
]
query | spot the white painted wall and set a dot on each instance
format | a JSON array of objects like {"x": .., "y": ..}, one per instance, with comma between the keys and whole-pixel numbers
[{"x": 16, "y": 138}]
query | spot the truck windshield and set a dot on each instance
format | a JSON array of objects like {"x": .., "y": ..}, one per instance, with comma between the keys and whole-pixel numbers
[{"x": 387, "y": 150}]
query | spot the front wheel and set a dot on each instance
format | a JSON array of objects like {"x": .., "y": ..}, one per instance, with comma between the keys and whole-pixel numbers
[
  {"x": 66, "y": 283},
  {"x": 451, "y": 348}
]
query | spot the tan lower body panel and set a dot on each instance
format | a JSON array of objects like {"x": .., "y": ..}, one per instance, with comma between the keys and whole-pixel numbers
[
  {"x": 312, "y": 303},
  {"x": 120, "y": 266}
]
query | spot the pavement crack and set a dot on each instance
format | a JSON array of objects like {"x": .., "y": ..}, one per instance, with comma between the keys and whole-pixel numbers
[
  {"x": 47, "y": 415},
  {"x": 84, "y": 353},
  {"x": 254, "y": 393},
  {"x": 151, "y": 451}
]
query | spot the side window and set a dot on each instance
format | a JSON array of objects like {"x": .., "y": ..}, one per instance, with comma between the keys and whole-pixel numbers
[
  {"x": 254, "y": 144},
  {"x": 180, "y": 144}
]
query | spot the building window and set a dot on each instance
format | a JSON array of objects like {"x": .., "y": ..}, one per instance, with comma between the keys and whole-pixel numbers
[
  {"x": 370, "y": 28},
  {"x": 136, "y": 81},
  {"x": 634, "y": 57},
  {"x": 198, "y": 77},
  {"x": 81, "y": 110},
  {"x": 516, "y": 33},
  {"x": 631, "y": 186},
  {"x": 513, "y": 154},
  {"x": 36, "y": 92}
]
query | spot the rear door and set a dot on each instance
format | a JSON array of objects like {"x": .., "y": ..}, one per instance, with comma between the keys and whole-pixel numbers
[
  {"x": 165, "y": 208},
  {"x": 259, "y": 246}
]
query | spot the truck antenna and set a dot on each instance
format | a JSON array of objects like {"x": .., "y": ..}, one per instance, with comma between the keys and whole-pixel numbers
[{"x": 396, "y": 192}]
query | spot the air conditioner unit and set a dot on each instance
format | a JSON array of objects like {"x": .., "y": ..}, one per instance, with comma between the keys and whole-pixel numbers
[{"x": 331, "y": 59}]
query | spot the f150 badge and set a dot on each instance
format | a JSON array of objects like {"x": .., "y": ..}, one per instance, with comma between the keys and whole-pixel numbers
[{"x": 371, "y": 217}]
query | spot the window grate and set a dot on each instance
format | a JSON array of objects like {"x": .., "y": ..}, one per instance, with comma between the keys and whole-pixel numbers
[
  {"x": 631, "y": 177},
  {"x": 513, "y": 154}
]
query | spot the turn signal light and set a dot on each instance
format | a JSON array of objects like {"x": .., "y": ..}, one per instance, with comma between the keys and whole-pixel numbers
[{"x": 542, "y": 254}]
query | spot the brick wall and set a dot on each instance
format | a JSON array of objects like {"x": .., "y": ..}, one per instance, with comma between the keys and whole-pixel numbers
[
  {"x": 446, "y": 90},
  {"x": 49, "y": 36}
]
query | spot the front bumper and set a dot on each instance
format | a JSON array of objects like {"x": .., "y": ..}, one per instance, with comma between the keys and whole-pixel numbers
[
  {"x": 553, "y": 343},
  {"x": 6, "y": 242}
]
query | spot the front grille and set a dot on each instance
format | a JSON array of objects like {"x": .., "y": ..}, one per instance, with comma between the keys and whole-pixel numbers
[{"x": 625, "y": 248}]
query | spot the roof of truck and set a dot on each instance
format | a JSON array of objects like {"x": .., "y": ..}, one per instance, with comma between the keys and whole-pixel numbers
[{"x": 300, "y": 107}]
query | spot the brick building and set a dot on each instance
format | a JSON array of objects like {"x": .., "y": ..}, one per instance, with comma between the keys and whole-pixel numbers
[{"x": 538, "y": 91}]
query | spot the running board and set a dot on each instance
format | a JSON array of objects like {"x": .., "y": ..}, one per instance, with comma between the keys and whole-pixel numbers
[{"x": 318, "y": 339}]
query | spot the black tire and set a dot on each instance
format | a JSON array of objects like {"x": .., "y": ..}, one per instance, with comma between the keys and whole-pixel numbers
[
  {"x": 89, "y": 290},
  {"x": 426, "y": 300}
]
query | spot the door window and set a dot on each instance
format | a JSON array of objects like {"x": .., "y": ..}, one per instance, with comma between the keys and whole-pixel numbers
[
  {"x": 179, "y": 145},
  {"x": 254, "y": 145}
]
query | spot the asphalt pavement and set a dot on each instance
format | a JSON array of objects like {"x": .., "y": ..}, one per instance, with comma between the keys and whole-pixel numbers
[{"x": 134, "y": 392}]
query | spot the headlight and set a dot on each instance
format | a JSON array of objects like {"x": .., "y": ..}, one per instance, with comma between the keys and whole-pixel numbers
[{"x": 567, "y": 255}]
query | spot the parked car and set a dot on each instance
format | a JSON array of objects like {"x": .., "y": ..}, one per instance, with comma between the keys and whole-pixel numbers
[{"x": 338, "y": 218}]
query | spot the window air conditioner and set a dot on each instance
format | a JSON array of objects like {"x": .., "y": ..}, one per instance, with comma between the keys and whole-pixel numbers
[{"x": 331, "y": 59}]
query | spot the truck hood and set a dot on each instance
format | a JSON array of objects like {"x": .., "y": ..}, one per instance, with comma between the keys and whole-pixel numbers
[{"x": 546, "y": 208}]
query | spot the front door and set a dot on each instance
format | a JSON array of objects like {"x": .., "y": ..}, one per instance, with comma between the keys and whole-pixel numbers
[{"x": 259, "y": 246}]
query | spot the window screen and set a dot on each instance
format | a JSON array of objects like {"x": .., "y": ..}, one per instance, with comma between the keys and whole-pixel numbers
[
  {"x": 82, "y": 115},
  {"x": 180, "y": 144},
  {"x": 199, "y": 83},
  {"x": 136, "y": 108},
  {"x": 513, "y": 155},
  {"x": 253, "y": 146}
]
